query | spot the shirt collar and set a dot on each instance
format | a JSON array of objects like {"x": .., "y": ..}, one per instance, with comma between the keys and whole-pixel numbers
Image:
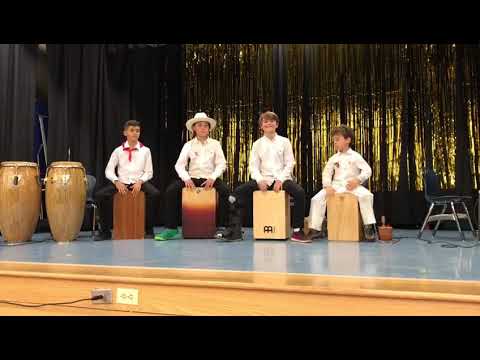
[
  {"x": 272, "y": 140},
  {"x": 138, "y": 146},
  {"x": 196, "y": 141},
  {"x": 348, "y": 152}
]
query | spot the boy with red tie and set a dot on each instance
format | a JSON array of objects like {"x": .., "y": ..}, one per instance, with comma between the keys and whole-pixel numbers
[{"x": 133, "y": 161}]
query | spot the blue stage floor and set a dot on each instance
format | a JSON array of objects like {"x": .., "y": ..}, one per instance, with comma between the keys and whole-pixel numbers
[{"x": 408, "y": 258}]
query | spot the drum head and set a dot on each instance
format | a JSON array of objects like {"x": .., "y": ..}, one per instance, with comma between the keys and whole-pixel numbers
[
  {"x": 18, "y": 164},
  {"x": 66, "y": 164}
]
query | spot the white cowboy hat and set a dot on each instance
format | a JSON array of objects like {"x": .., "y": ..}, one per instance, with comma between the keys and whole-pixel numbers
[{"x": 200, "y": 117}]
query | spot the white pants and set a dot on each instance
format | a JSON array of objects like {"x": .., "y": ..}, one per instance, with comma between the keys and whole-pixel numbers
[{"x": 318, "y": 206}]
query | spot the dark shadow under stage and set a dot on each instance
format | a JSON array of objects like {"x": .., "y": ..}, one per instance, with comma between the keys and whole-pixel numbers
[{"x": 205, "y": 277}]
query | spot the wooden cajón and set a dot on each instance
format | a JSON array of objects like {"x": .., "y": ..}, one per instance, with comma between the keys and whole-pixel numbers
[
  {"x": 271, "y": 215},
  {"x": 344, "y": 218},
  {"x": 199, "y": 212},
  {"x": 129, "y": 216}
]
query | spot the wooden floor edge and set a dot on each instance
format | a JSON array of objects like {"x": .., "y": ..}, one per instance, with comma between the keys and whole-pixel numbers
[
  {"x": 66, "y": 268},
  {"x": 191, "y": 292},
  {"x": 264, "y": 282}
]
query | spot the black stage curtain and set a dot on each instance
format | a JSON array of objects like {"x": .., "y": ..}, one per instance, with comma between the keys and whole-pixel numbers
[
  {"x": 95, "y": 88},
  {"x": 17, "y": 101},
  {"x": 411, "y": 105}
]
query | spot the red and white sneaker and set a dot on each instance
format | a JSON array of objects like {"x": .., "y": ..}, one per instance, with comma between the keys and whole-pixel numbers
[{"x": 299, "y": 236}]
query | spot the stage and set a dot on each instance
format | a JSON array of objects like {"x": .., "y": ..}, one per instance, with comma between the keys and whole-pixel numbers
[{"x": 206, "y": 277}]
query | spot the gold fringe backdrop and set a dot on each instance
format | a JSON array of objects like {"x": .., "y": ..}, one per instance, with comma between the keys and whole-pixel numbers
[
  {"x": 232, "y": 83},
  {"x": 400, "y": 100}
]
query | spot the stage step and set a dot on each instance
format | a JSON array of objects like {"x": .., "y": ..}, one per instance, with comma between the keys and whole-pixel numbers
[{"x": 164, "y": 291}]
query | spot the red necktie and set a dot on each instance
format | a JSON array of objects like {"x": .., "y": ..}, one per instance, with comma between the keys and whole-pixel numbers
[{"x": 129, "y": 152}]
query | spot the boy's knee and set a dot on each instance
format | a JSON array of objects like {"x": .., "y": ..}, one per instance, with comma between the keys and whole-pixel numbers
[
  {"x": 301, "y": 192},
  {"x": 155, "y": 192},
  {"x": 320, "y": 196},
  {"x": 366, "y": 196}
]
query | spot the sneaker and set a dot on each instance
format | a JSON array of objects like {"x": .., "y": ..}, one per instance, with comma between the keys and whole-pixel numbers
[
  {"x": 299, "y": 236},
  {"x": 168, "y": 234},
  {"x": 369, "y": 231}
]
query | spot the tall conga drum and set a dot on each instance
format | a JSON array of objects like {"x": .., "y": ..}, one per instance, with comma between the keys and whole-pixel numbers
[
  {"x": 65, "y": 197},
  {"x": 20, "y": 195}
]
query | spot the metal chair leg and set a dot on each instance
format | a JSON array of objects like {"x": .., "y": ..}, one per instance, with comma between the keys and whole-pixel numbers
[
  {"x": 439, "y": 221},
  {"x": 456, "y": 220},
  {"x": 93, "y": 221},
  {"x": 468, "y": 218},
  {"x": 41, "y": 210},
  {"x": 425, "y": 221}
]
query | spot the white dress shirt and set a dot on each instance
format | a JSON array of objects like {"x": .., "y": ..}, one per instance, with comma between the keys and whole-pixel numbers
[
  {"x": 271, "y": 159},
  {"x": 201, "y": 160},
  {"x": 344, "y": 166},
  {"x": 138, "y": 167}
]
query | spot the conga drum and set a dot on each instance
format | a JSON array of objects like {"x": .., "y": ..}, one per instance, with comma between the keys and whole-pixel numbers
[
  {"x": 65, "y": 198},
  {"x": 20, "y": 195}
]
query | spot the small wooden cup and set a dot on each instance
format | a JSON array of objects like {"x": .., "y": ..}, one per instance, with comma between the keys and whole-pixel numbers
[{"x": 385, "y": 231}]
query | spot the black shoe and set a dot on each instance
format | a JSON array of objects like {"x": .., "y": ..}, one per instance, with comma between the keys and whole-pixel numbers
[
  {"x": 222, "y": 233},
  {"x": 315, "y": 234},
  {"x": 369, "y": 231},
  {"x": 234, "y": 230},
  {"x": 230, "y": 234},
  {"x": 324, "y": 231},
  {"x": 104, "y": 235}
]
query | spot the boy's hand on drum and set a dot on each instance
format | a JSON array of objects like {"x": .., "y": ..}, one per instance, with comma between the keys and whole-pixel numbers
[
  {"x": 208, "y": 184},
  {"x": 189, "y": 184},
  {"x": 352, "y": 184},
  {"x": 278, "y": 186},
  {"x": 137, "y": 187},
  {"x": 262, "y": 185},
  {"x": 330, "y": 190},
  {"x": 122, "y": 189}
]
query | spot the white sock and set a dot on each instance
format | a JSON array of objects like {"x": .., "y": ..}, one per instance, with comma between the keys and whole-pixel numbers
[{"x": 296, "y": 229}]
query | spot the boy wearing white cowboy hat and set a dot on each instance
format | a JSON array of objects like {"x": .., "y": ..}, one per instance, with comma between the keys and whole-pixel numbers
[{"x": 205, "y": 161}]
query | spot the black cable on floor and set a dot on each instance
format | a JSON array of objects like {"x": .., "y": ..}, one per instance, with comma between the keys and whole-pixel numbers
[
  {"x": 394, "y": 240},
  {"x": 450, "y": 245},
  {"x": 98, "y": 297}
]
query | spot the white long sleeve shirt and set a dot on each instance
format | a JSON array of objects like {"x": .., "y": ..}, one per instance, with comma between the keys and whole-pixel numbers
[
  {"x": 344, "y": 166},
  {"x": 201, "y": 160},
  {"x": 132, "y": 165},
  {"x": 271, "y": 160}
]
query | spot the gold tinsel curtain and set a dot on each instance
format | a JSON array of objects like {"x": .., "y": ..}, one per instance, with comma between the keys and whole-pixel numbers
[
  {"x": 233, "y": 83},
  {"x": 405, "y": 103}
]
